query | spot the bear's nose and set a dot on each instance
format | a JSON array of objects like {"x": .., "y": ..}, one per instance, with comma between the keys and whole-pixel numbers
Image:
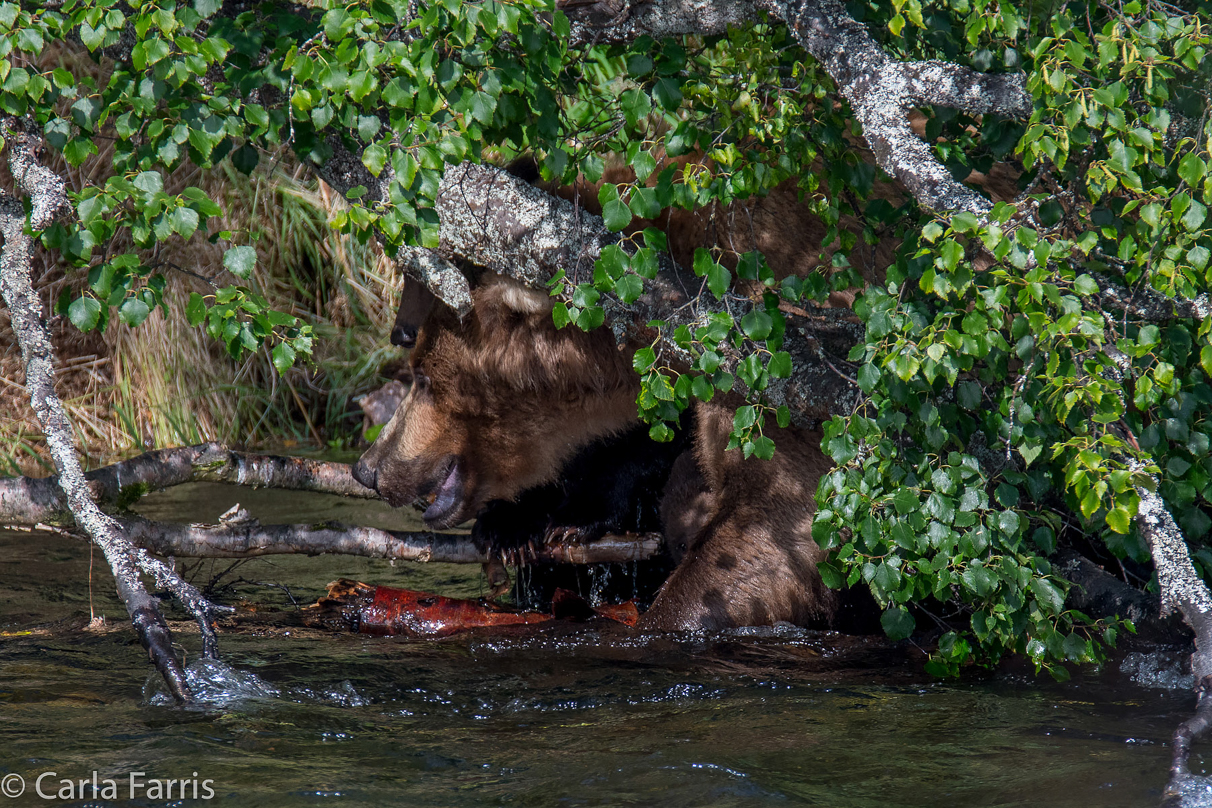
[
  {"x": 364, "y": 474},
  {"x": 403, "y": 336}
]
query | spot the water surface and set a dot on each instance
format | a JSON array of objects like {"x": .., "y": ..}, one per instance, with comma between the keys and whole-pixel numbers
[{"x": 558, "y": 715}]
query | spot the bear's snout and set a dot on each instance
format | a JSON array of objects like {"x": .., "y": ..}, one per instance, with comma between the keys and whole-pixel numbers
[
  {"x": 404, "y": 336},
  {"x": 365, "y": 474}
]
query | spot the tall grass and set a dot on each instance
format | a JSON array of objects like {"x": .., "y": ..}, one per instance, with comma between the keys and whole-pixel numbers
[{"x": 166, "y": 383}]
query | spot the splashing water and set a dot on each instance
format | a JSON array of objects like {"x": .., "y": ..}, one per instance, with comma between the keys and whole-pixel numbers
[
  {"x": 1157, "y": 670},
  {"x": 599, "y": 578},
  {"x": 213, "y": 683}
]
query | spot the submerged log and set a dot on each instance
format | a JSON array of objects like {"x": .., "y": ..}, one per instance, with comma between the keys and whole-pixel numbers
[
  {"x": 240, "y": 536},
  {"x": 386, "y": 611}
]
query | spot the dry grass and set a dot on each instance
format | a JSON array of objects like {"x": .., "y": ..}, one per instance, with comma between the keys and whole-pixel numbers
[{"x": 166, "y": 383}]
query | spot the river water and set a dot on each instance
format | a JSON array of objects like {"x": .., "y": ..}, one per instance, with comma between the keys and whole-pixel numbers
[{"x": 554, "y": 715}]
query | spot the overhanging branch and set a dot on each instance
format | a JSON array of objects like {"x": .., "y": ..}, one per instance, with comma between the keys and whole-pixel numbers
[
  {"x": 497, "y": 221},
  {"x": 881, "y": 90}
]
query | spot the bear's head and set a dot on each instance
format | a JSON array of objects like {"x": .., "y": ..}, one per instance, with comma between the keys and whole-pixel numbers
[{"x": 500, "y": 400}]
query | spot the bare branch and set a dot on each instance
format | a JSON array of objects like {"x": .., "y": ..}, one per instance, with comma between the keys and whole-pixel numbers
[
  {"x": 240, "y": 536},
  {"x": 30, "y": 501}
]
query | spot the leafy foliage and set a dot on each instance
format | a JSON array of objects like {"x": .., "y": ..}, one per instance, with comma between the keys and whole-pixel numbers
[
  {"x": 1008, "y": 396},
  {"x": 1010, "y": 372}
]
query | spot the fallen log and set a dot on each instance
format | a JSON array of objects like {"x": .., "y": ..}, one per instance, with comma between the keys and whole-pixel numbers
[
  {"x": 240, "y": 536},
  {"x": 33, "y": 500}
]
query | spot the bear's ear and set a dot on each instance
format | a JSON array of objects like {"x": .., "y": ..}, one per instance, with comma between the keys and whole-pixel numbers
[
  {"x": 525, "y": 300},
  {"x": 498, "y": 292},
  {"x": 416, "y": 302}
]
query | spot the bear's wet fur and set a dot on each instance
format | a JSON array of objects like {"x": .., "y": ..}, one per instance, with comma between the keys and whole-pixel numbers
[
  {"x": 503, "y": 402},
  {"x": 613, "y": 485}
]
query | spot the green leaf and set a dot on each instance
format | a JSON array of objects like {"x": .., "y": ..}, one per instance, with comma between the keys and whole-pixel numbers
[
  {"x": 483, "y": 106},
  {"x": 133, "y": 311},
  {"x": 667, "y": 93},
  {"x": 629, "y": 288},
  {"x": 245, "y": 158},
  {"x": 1194, "y": 217},
  {"x": 1008, "y": 521},
  {"x": 1192, "y": 169},
  {"x": 92, "y": 37},
  {"x": 756, "y": 324},
  {"x": 868, "y": 377},
  {"x": 374, "y": 157},
  {"x": 1119, "y": 519},
  {"x": 644, "y": 359},
  {"x": 906, "y": 501},
  {"x": 719, "y": 279},
  {"x": 283, "y": 356},
  {"x": 744, "y": 418},
  {"x": 1085, "y": 285},
  {"x": 195, "y": 310},
  {"x": 898, "y": 623},
  {"x": 185, "y": 221},
  {"x": 84, "y": 312},
  {"x": 1048, "y": 594},
  {"x": 616, "y": 214},
  {"x": 150, "y": 182},
  {"x": 780, "y": 365},
  {"x": 240, "y": 261}
]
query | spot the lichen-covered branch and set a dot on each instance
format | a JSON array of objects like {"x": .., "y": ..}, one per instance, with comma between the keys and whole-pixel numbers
[
  {"x": 1147, "y": 304},
  {"x": 240, "y": 536},
  {"x": 881, "y": 90},
  {"x": 625, "y": 20},
  {"x": 1182, "y": 590},
  {"x": 31, "y": 501},
  {"x": 25, "y": 312},
  {"x": 48, "y": 200},
  {"x": 45, "y": 189},
  {"x": 495, "y": 220}
]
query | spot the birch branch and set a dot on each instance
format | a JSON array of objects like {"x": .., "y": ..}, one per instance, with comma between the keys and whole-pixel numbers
[
  {"x": 1182, "y": 590},
  {"x": 25, "y": 309},
  {"x": 881, "y": 90}
]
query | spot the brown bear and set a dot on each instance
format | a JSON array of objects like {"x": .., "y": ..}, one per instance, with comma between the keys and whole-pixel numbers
[{"x": 502, "y": 401}]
